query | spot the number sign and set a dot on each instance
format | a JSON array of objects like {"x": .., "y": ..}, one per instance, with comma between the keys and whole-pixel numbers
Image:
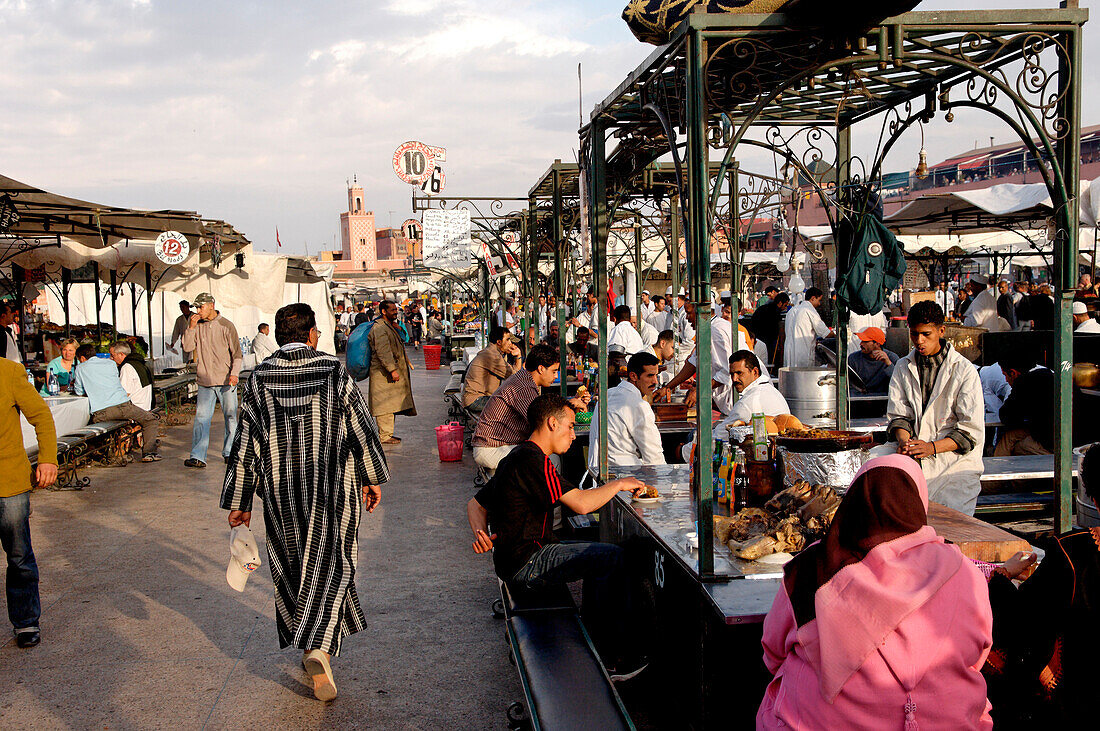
[
  {"x": 433, "y": 185},
  {"x": 414, "y": 162},
  {"x": 172, "y": 247},
  {"x": 411, "y": 229}
]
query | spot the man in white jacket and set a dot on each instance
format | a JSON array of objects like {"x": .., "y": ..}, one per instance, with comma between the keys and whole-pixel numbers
[
  {"x": 983, "y": 309},
  {"x": 623, "y": 335},
  {"x": 937, "y": 412},
  {"x": 804, "y": 327},
  {"x": 262, "y": 344},
  {"x": 632, "y": 435}
]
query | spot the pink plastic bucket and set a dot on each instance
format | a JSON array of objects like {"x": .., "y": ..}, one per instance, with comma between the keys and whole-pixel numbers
[{"x": 449, "y": 439}]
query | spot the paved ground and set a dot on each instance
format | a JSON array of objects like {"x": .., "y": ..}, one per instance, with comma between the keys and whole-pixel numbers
[{"x": 140, "y": 629}]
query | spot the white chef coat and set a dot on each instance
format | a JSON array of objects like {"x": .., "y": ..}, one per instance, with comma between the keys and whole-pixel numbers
[
  {"x": 12, "y": 353},
  {"x": 859, "y": 323},
  {"x": 661, "y": 321},
  {"x": 140, "y": 396},
  {"x": 263, "y": 346},
  {"x": 954, "y": 479},
  {"x": 995, "y": 389},
  {"x": 632, "y": 435},
  {"x": 983, "y": 313},
  {"x": 721, "y": 348},
  {"x": 544, "y": 319},
  {"x": 946, "y": 301},
  {"x": 647, "y": 310},
  {"x": 759, "y": 397},
  {"x": 626, "y": 337},
  {"x": 804, "y": 326},
  {"x": 648, "y": 333},
  {"x": 1088, "y": 326}
]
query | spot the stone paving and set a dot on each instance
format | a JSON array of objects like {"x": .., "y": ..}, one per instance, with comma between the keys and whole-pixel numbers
[{"x": 140, "y": 629}]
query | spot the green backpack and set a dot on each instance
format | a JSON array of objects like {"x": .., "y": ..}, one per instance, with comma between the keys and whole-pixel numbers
[{"x": 870, "y": 264}]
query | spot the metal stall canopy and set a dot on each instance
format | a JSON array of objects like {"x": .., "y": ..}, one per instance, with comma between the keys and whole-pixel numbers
[{"x": 761, "y": 82}]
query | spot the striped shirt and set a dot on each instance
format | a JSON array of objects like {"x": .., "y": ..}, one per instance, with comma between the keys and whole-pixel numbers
[{"x": 504, "y": 420}]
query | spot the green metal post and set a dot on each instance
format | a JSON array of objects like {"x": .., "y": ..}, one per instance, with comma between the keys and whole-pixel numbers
[
  {"x": 98, "y": 319},
  {"x": 600, "y": 231},
  {"x": 114, "y": 303},
  {"x": 844, "y": 170},
  {"x": 1065, "y": 272},
  {"x": 66, "y": 285},
  {"x": 560, "y": 253},
  {"x": 149, "y": 306},
  {"x": 674, "y": 247},
  {"x": 637, "y": 272},
  {"x": 698, "y": 255},
  {"x": 735, "y": 261}
]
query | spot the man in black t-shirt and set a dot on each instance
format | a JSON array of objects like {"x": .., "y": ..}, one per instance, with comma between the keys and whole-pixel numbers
[{"x": 519, "y": 504}]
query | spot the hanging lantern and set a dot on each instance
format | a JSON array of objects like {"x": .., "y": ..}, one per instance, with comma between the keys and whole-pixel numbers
[{"x": 922, "y": 165}]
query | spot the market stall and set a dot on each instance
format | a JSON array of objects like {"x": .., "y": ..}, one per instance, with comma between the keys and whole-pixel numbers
[{"x": 756, "y": 82}]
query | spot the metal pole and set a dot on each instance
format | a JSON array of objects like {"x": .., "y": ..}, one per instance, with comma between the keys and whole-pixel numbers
[
  {"x": 637, "y": 271},
  {"x": 114, "y": 302},
  {"x": 560, "y": 252},
  {"x": 66, "y": 285},
  {"x": 149, "y": 307},
  {"x": 18, "y": 278},
  {"x": 698, "y": 255},
  {"x": 600, "y": 232},
  {"x": 98, "y": 319},
  {"x": 844, "y": 154},
  {"x": 674, "y": 247},
  {"x": 1068, "y": 150}
]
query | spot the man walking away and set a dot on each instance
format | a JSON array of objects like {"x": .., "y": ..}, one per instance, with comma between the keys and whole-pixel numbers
[
  {"x": 390, "y": 386},
  {"x": 217, "y": 349},
  {"x": 98, "y": 379},
  {"x": 308, "y": 445},
  {"x": 182, "y": 322},
  {"x": 19, "y": 397},
  {"x": 134, "y": 375}
]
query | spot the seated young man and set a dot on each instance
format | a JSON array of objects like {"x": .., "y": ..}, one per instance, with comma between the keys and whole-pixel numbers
[
  {"x": 937, "y": 412},
  {"x": 503, "y": 423},
  {"x": 632, "y": 435},
  {"x": 518, "y": 504}
]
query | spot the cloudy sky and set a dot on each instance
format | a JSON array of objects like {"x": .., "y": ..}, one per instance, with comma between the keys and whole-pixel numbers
[{"x": 257, "y": 112}]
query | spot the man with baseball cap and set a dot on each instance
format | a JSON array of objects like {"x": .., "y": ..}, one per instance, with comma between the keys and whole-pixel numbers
[
  {"x": 873, "y": 364},
  {"x": 1083, "y": 322},
  {"x": 217, "y": 351}
]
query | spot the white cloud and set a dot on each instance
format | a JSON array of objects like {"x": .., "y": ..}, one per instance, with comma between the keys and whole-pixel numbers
[{"x": 415, "y": 7}]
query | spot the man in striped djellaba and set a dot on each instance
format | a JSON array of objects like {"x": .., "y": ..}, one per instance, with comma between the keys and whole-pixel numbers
[{"x": 308, "y": 446}]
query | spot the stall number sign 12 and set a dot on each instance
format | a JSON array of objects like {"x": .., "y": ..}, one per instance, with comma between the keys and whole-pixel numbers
[{"x": 172, "y": 247}]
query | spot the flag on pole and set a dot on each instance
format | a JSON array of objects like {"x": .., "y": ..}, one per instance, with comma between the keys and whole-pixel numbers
[
  {"x": 278, "y": 244},
  {"x": 610, "y": 296}
]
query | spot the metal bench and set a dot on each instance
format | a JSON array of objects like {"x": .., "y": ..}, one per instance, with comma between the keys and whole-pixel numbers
[
  {"x": 171, "y": 393},
  {"x": 106, "y": 443},
  {"x": 564, "y": 683}
]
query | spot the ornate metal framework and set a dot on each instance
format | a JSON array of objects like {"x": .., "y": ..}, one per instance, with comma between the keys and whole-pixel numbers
[{"x": 728, "y": 81}]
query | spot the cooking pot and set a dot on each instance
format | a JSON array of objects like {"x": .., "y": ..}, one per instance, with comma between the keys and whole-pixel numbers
[
  {"x": 810, "y": 394},
  {"x": 1086, "y": 375}
]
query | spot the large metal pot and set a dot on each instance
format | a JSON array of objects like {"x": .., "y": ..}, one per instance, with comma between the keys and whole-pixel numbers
[{"x": 810, "y": 394}]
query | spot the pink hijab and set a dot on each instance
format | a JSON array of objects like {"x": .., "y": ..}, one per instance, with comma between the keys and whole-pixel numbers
[{"x": 878, "y": 563}]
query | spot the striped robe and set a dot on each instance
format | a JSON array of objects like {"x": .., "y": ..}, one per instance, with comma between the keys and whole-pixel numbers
[{"x": 306, "y": 444}]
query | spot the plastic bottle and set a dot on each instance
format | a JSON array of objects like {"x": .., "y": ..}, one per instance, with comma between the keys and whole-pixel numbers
[{"x": 52, "y": 386}]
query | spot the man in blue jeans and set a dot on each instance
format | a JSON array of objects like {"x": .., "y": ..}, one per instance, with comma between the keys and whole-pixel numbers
[
  {"x": 19, "y": 397},
  {"x": 212, "y": 340},
  {"x": 519, "y": 503}
]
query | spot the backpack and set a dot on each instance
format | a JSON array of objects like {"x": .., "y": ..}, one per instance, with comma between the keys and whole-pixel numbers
[
  {"x": 358, "y": 351},
  {"x": 871, "y": 261}
]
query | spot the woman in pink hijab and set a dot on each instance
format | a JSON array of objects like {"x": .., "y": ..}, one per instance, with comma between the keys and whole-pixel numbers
[{"x": 880, "y": 625}]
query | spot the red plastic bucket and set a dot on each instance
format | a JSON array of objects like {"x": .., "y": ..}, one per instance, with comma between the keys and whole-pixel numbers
[
  {"x": 448, "y": 437},
  {"x": 432, "y": 354}
]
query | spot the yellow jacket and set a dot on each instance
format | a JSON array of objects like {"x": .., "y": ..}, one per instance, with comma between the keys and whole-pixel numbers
[{"x": 18, "y": 396}]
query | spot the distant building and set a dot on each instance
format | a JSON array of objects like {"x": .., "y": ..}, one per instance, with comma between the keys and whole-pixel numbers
[{"x": 365, "y": 249}]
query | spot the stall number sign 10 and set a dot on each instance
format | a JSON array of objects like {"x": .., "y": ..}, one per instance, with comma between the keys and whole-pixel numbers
[
  {"x": 172, "y": 247},
  {"x": 413, "y": 162}
]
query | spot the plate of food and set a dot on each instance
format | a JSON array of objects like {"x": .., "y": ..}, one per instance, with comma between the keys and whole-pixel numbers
[{"x": 648, "y": 495}]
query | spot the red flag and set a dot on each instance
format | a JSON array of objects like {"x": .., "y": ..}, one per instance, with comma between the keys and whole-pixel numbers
[
  {"x": 278, "y": 244},
  {"x": 610, "y": 296}
]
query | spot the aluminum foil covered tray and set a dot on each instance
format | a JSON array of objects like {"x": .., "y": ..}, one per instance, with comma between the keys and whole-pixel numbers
[{"x": 834, "y": 469}]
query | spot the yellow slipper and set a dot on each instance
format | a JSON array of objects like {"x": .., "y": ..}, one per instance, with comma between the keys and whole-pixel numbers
[{"x": 320, "y": 672}]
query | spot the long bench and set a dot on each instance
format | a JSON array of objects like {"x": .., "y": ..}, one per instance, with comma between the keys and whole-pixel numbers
[
  {"x": 105, "y": 443},
  {"x": 565, "y": 685}
]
